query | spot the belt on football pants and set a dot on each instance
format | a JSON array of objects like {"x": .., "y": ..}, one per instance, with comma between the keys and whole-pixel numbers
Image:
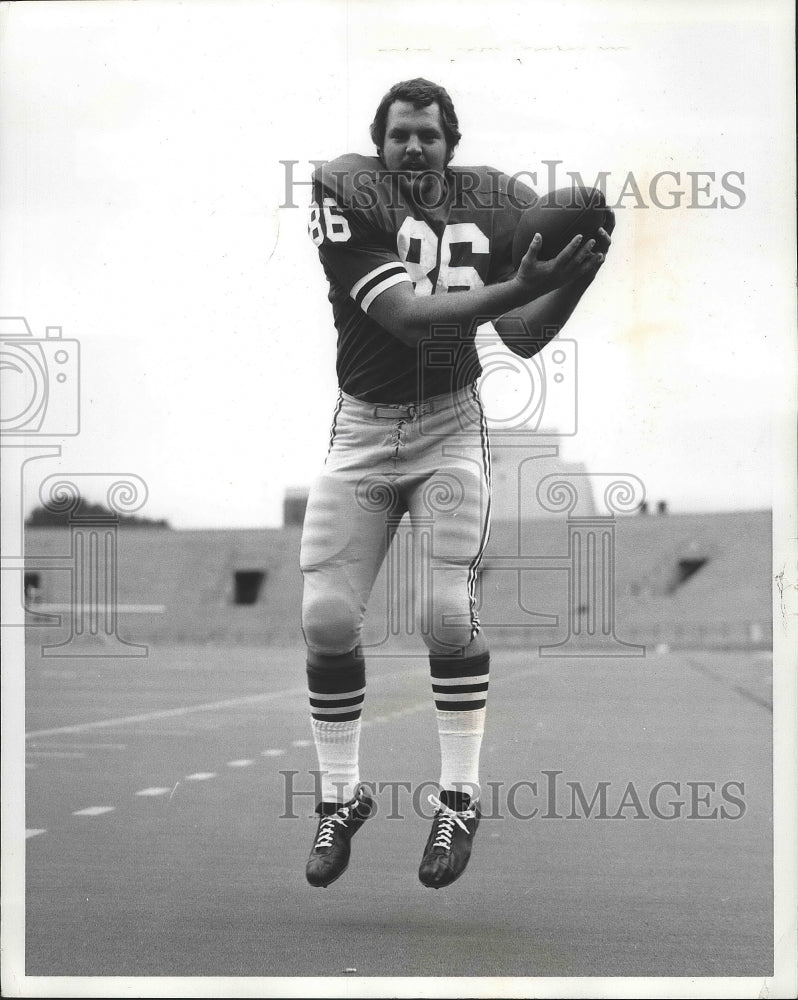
[{"x": 408, "y": 411}]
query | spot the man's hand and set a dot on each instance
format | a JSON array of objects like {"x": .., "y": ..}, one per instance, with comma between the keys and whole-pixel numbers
[
  {"x": 409, "y": 317},
  {"x": 604, "y": 242},
  {"x": 573, "y": 263},
  {"x": 527, "y": 330}
]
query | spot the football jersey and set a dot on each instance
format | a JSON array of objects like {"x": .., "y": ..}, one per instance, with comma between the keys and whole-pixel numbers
[{"x": 374, "y": 228}]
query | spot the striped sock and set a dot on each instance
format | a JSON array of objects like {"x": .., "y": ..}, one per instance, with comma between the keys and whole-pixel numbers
[
  {"x": 337, "y": 686},
  {"x": 460, "y": 688}
]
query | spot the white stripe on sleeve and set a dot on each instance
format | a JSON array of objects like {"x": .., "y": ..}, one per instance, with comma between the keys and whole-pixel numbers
[{"x": 394, "y": 279}]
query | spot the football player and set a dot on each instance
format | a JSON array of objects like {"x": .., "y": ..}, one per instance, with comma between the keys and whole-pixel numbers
[{"x": 397, "y": 235}]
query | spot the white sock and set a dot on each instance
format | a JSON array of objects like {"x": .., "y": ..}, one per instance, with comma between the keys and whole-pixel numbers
[
  {"x": 460, "y": 735},
  {"x": 338, "y": 747}
]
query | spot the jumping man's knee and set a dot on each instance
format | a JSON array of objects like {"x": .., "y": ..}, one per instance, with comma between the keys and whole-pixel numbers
[{"x": 331, "y": 624}]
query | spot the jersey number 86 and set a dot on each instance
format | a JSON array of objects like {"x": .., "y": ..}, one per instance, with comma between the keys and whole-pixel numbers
[{"x": 420, "y": 249}]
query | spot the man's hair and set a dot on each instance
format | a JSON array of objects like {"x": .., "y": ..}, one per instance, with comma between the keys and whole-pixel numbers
[{"x": 420, "y": 93}]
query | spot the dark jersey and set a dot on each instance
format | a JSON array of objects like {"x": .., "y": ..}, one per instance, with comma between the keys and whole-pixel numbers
[{"x": 374, "y": 229}]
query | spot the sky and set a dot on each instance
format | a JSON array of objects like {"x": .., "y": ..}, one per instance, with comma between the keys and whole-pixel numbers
[{"x": 144, "y": 211}]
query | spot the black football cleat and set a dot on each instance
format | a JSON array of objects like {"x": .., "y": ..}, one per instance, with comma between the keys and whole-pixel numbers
[
  {"x": 338, "y": 823},
  {"x": 449, "y": 844}
]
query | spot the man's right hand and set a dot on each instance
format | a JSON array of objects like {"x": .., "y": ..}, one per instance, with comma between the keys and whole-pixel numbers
[
  {"x": 409, "y": 316},
  {"x": 573, "y": 263}
]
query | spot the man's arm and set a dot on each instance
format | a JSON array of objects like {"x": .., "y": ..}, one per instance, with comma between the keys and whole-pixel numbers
[
  {"x": 527, "y": 329},
  {"x": 410, "y": 317}
]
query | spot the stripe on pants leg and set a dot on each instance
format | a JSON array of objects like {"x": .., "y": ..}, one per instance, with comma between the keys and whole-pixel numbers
[{"x": 486, "y": 468}]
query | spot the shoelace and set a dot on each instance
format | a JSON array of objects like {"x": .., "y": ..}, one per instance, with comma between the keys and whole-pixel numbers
[
  {"x": 447, "y": 818},
  {"x": 327, "y": 827}
]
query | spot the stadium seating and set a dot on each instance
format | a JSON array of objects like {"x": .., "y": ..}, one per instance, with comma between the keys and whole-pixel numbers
[{"x": 180, "y": 585}]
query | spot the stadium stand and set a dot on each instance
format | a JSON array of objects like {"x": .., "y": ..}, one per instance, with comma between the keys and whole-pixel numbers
[{"x": 682, "y": 580}]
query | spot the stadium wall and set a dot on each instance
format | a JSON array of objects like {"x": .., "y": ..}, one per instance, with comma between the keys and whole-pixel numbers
[{"x": 176, "y": 586}]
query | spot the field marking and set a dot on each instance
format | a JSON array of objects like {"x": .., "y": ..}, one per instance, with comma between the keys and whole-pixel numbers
[
  {"x": 174, "y": 733},
  {"x": 154, "y": 791},
  {"x": 418, "y": 706},
  {"x": 301, "y": 743},
  {"x": 201, "y": 776},
  {"x": 70, "y": 745},
  {"x": 33, "y": 833},
  {"x": 412, "y": 709},
  {"x": 239, "y": 763},
  {"x": 698, "y": 667},
  {"x": 729, "y": 684},
  {"x": 166, "y": 713},
  {"x": 273, "y": 752},
  {"x": 94, "y": 811},
  {"x": 157, "y": 609},
  {"x": 71, "y": 754}
]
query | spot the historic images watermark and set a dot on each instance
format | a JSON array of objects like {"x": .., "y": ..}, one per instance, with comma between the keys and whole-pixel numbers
[
  {"x": 41, "y": 381},
  {"x": 664, "y": 189},
  {"x": 41, "y": 391},
  {"x": 549, "y": 794},
  {"x": 92, "y": 561}
]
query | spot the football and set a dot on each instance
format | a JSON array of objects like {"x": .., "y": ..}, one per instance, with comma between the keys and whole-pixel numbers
[{"x": 558, "y": 217}]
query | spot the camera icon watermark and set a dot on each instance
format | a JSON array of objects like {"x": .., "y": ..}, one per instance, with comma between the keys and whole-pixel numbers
[
  {"x": 40, "y": 381},
  {"x": 520, "y": 396},
  {"x": 533, "y": 396}
]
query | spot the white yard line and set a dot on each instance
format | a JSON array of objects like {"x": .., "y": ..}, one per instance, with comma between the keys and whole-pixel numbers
[
  {"x": 166, "y": 713},
  {"x": 171, "y": 713},
  {"x": 152, "y": 609},
  {"x": 76, "y": 745}
]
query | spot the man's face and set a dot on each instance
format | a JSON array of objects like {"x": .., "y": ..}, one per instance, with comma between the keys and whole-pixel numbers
[{"x": 414, "y": 138}]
